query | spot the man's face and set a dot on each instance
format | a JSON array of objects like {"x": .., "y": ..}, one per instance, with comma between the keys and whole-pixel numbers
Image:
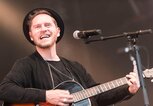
[{"x": 44, "y": 31}]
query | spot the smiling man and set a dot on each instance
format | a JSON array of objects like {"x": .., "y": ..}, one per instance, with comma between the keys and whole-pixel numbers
[{"x": 45, "y": 78}]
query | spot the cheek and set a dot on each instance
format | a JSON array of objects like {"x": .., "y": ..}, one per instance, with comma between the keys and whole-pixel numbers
[{"x": 32, "y": 34}]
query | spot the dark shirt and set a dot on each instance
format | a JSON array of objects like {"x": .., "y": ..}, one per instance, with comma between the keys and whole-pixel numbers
[{"x": 31, "y": 76}]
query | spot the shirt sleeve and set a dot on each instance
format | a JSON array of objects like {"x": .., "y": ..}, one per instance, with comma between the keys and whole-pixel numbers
[
  {"x": 114, "y": 96},
  {"x": 16, "y": 86}
]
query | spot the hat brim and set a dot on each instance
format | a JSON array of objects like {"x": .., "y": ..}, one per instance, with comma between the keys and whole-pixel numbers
[{"x": 58, "y": 19}]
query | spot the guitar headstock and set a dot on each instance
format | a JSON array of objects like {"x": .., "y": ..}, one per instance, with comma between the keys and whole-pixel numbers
[{"x": 148, "y": 73}]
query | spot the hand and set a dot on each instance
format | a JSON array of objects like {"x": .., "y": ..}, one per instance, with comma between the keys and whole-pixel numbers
[
  {"x": 59, "y": 97},
  {"x": 133, "y": 82}
]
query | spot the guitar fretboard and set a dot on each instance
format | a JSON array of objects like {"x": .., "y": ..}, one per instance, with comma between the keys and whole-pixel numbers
[{"x": 86, "y": 93}]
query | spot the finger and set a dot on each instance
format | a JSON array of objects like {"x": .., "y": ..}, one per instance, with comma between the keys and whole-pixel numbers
[
  {"x": 134, "y": 66},
  {"x": 132, "y": 82},
  {"x": 67, "y": 100},
  {"x": 63, "y": 91},
  {"x": 132, "y": 74},
  {"x": 130, "y": 77},
  {"x": 133, "y": 77},
  {"x": 129, "y": 83},
  {"x": 62, "y": 104}
]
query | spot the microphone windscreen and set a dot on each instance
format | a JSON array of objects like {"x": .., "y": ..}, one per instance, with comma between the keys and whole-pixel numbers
[{"x": 75, "y": 34}]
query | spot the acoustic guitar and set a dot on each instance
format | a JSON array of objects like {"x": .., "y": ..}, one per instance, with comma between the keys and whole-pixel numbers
[{"x": 81, "y": 95}]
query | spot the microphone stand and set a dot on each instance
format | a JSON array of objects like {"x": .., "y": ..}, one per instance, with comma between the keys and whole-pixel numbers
[
  {"x": 132, "y": 38},
  {"x": 125, "y": 34},
  {"x": 132, "y": 42}
]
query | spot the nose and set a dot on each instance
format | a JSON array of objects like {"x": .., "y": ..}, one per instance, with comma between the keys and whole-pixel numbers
[{"x": 43, "y": 28}]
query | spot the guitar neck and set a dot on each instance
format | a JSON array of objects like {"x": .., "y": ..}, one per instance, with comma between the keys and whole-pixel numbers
[{"x": 86, "y": 93}]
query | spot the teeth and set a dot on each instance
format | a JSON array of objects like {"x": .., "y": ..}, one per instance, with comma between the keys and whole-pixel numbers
[{"x": 44, "y": 36}]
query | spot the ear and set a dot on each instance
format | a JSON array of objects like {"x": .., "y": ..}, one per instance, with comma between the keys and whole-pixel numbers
[
  {"x": 58, "y": 32},
  {"x": 30, "y": 36}
]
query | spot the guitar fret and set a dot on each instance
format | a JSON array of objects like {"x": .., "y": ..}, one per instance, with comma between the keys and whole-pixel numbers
[
  {"x": 105, "y": 87},
  {"x": 101, "y": 88},
  {"x": 92, "y": 92},
  {"x": 113, "y": 86},
  {"x": 121, "y": 82},
  {"x": 76, "y": 98},
  {"x": 84, "y": 94},
  {"x": 108, "y": 86},
  {"x": 125, "y": 80},
  {"x": 80, "y": 95},
  {"x": 95, "y": 91},
  {"x": 117, "y": 84},
  {"x": 88, "y": 93},
  {"x": 98, "y": 90}
]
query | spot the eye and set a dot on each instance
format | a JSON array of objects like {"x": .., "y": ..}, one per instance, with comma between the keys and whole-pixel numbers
[
  {"x": 37, "y": 26},
  {"x": 47, "y": 25}
]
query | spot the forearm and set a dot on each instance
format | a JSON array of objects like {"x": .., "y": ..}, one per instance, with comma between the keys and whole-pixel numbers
[
  {"x": 114, "y": 96},
  {"x": 14, "y": 94}
]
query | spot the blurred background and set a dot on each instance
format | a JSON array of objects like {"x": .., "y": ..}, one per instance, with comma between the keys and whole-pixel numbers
[{"x": 102, "y": 59}]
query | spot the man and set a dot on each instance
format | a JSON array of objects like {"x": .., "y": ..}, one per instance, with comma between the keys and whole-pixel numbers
[{"x": 33, "y": 79}]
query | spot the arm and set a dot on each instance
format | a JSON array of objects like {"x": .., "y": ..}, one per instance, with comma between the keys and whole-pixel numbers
[
  {"x": 113, "y": 96},
  {"x": 121, "y": 93},
  {"x": 17, "y": 86}
]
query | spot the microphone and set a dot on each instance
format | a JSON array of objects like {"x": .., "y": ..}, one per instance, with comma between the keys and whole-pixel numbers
[{"x": 86, "y": 33}]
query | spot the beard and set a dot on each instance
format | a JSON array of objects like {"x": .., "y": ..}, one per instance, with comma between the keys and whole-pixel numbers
[{"x": 45, "y": 44}]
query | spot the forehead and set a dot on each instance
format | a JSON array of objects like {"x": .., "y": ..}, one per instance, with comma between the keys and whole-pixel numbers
[{"x": 43, "y": 18}]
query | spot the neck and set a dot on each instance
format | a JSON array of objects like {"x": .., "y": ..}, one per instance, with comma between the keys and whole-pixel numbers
[{"x": 48, "y": 54}]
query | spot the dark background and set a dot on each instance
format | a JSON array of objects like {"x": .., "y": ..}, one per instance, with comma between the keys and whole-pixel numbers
[{"x": 101, "y": 59}]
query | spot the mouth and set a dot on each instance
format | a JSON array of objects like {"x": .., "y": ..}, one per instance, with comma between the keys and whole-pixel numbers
[{"x": 45, "y": 36}]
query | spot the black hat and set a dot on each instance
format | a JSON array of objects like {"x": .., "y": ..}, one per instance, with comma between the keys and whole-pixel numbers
[{"x": 52, "y": 13}]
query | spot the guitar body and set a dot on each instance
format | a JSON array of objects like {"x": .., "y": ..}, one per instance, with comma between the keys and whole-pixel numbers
[{"x": 71, "y": 86}]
